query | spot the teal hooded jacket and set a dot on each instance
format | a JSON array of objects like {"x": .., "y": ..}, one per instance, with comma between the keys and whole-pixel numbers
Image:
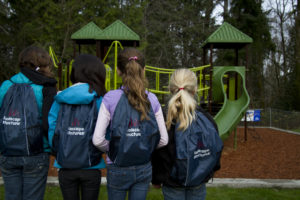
[{"x": 76, "y": 94}]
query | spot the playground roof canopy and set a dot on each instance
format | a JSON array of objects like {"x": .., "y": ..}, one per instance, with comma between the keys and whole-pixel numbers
[
  {"x": 87, "y": 32},
  {"x": 227, "y": 36},
  {"x": 118, "y": 31},
  {"x": 91, "y": 33}
]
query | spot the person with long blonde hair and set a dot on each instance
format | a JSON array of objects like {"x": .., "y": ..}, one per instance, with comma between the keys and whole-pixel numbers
[
  {"x": 134, "y": 121},
  {"x": 194, "y": 149}
]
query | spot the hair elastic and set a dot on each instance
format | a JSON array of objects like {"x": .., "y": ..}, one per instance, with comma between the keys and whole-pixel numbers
[
  {"x": 133, "y": 58},
  {"x": 181, "y": 88}
]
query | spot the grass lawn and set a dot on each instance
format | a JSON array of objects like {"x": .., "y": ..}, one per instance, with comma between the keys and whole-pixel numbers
[
  {"x": 297, "y": 130},
  {"x": 218, "y": 193}
]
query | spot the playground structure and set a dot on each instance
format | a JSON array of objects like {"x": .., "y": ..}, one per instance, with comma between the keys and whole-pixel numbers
[{"x": 219, "y": 86}]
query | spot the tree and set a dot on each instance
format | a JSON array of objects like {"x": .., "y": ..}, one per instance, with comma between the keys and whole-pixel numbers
[
  {"x": 175, "y": 31},
  {"x": 248, "y": 16},
  {"x": 281, "y": 63},
  {"x": 295, "y": 90},
  {"x": 51, "y": 23}
]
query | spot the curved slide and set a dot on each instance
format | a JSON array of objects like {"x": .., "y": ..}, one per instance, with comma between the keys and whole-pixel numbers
[{"x": 232, "y": 111}]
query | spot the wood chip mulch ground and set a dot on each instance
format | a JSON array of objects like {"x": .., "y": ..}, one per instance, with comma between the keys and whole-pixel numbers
[{"x": 267, "y": 154}]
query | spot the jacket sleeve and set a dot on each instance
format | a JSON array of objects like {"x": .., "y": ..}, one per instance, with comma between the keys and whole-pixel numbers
[
  {"x": 99, "y": 101},
  {"x": 163, "y": 160},
  {"x": 160, "y": 169},
  {"x": 48, "y": 99},
  {"x": 3, "y": 89},
  {"x": 52, "y": 119}
]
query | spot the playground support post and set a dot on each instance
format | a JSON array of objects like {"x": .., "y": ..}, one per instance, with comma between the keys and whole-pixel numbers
[
  {"x": 59, "y": 72},
  {"x": 235, "y": 138},
  {"x": 98, "y": 50},
  {"x": 210, "y": 77},
  {"x": 114, "y": 44},
  {"x": 246, "y": 66},
  {"x": 236, "y": 75},
  {"x": 74, "y": 49},
  {"x": 115, "y": 68}
]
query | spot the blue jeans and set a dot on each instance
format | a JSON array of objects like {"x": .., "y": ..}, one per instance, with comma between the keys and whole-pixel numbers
[
  {"x": 195, "y": 193},
  {"x": 135, "y": 180},
  {"x": 79, "y": 182},
  {"x": 25, "y": 178}
]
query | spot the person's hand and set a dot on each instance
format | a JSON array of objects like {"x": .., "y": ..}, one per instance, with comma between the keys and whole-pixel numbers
[{"x": 156, "y": 186}]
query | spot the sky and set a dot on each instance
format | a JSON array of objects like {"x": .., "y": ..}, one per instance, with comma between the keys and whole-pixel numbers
[{"x": 267, "y": 4}]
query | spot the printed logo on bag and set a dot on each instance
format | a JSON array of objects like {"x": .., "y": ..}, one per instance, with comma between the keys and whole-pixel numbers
[
  {"x": 133, "y": 129},
  {"x": 75, "y": 128},
  {"x": 202, "y": 151},
  {"x": 13, "y": 118}
]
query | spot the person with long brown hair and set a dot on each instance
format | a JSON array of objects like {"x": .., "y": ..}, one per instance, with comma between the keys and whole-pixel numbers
[
  {"x": 133, "y": 119},
  {"x": 194, "y": 149},
  {"x": 72, "y": 120},
  {"x": 25, "y": 101}
]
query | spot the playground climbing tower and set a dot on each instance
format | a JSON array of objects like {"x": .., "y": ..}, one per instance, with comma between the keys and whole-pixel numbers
[{"x": 235, "y": 98}]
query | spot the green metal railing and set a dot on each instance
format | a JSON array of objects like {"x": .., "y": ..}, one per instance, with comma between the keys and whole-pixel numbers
[
  {"x": 159, "y": 71},
  {"x": 113, "y": 81}
]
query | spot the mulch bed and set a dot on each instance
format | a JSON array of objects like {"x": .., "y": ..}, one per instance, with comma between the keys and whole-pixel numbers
[{"x": 267, "y": 154}]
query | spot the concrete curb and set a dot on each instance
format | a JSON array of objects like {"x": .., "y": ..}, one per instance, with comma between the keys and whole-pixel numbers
[
  {"x": 223, "y": 182},
  {"x": 255, "y": 183}
]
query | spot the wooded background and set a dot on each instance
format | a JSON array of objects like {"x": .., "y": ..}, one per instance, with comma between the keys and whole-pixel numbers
[{"x": 171, "y": 32}]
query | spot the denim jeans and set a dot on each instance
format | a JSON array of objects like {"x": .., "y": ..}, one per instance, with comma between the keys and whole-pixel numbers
[
  {"x": 195, "y": 193},
  {"x": 87, "y": 181},
  {"x": 134, "y": 179},
  {"x": 25, "y": 177}
]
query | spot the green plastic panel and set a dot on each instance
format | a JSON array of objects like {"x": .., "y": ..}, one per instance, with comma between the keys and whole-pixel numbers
[{"x": 232, "y": 111}]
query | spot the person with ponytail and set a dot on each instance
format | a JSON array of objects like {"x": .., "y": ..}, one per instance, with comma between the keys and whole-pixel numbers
[
  {"x": 129, "y": 127},
  {"x": 194, "y": 149}
]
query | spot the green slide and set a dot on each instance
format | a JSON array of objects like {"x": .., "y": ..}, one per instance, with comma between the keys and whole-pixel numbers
[{"x": 232, "y": 111}]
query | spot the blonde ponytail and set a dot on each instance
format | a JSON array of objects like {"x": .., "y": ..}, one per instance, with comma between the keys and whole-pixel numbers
[{"x": 182, "y": 105}]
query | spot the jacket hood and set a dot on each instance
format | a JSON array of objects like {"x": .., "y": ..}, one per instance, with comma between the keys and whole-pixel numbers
[
  {"x": 20, "y": 78},
  {"x": 38, "y": 78},
  {"x": 76, "y": 94}
]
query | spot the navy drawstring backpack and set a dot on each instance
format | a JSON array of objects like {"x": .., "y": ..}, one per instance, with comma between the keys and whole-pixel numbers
[
  {"x": 72, "y": 139},
  {"x": 198, "y": 149},
  {"x": 20, "y": 127},
  {"x": 132, "y": 140}
]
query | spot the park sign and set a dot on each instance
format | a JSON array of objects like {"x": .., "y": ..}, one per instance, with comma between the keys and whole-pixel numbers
[{"x": 252, "y": 116}]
